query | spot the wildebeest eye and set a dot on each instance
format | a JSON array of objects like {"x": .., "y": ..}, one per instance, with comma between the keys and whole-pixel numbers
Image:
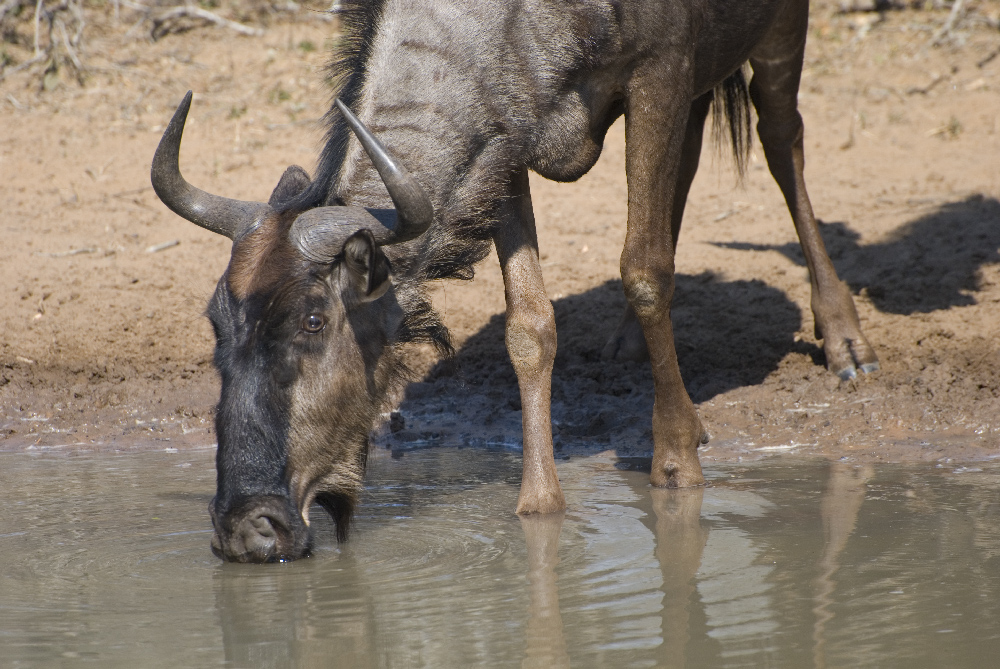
[{"x": 313, "y": 323}]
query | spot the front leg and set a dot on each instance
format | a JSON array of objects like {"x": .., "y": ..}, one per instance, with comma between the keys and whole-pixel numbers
[
  {"x": 655, "y": 120},
  {"x": 628, "y": 342},
  {"x": 531, "y": 343}
]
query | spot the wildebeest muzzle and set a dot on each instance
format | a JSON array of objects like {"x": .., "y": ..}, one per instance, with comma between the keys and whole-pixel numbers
[{"x": 259, "y": 529}]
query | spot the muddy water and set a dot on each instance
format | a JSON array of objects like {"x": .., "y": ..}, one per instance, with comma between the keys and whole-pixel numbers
[{"x": 104, "y": 559}]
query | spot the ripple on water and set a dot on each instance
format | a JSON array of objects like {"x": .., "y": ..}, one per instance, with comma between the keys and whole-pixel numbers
[{"x": 775, "y": 564}]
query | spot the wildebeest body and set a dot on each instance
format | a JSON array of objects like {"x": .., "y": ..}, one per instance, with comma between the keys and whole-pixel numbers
[{"x": 469, "y": 96}]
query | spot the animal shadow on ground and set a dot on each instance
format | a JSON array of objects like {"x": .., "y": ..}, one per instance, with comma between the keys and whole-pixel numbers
[
  {"x": 925, "y": 265},
  {"x": 728, "y": 334}
]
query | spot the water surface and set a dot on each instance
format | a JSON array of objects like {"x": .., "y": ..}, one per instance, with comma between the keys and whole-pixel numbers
[{"x": 105, "y": 560}]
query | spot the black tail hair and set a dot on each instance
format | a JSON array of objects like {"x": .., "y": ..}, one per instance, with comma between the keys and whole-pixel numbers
[{"x": 731, "y": 108}]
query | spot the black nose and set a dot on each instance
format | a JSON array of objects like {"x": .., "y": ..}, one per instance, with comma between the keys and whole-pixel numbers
[{"x": 259, "y": 530}]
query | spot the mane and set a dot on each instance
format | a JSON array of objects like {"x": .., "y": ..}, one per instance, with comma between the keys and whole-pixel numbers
[
  {"x": 462, "y": 232},
  {"x": 345, "y": 74}
]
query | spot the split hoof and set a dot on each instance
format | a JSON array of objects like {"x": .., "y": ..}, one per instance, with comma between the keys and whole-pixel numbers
[
  {"x": 676, "y": 475},
  {"x": 849, "y": 356}
]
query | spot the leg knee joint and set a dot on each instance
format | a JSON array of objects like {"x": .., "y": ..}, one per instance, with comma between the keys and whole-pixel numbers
[
  {"x": 648, "y": 296},
  {"x": 531, "y": 339},
  {"x": 774, "y": 130}
]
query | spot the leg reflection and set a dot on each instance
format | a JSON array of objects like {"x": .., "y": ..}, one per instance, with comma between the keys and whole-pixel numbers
[
  {"x": 680, "y": 541},
  {"x": 545, "y": 643},
  {"x": 845, "y": 491}
]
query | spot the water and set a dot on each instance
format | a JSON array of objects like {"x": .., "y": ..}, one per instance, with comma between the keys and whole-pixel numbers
[{"x": 104, "y": 559}]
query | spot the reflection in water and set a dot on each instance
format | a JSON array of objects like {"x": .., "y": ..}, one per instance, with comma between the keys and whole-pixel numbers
[
  {"x": 281, "y": 618},
  {"x": 545, "y": 645},
  {"x": 735, "y": 580},
  {"x": 106, "y": 559},
  {"x": 609, "y": 578},
  {"x": 680, "y": 541},
  {"x": 845, "y": 491}
]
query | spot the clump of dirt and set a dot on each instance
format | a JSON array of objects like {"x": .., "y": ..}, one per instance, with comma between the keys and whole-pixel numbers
[{"x": 102, "y": 289}]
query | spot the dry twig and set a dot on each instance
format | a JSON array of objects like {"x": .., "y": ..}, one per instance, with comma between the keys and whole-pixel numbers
[
  {"x": 50, "y": 23},
  {"x": 944, "y": 32},
  {"x": 168, "y": 22},
  {"x": 985, "y": 61},
  {"x": 924, "y": 90},
  {"x": 156, "y": 248}
]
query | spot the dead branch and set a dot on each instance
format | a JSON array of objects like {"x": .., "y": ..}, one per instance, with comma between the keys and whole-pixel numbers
[
  {"x": 170, "y": 21},
  {"x": 859, "y": 6},
  {"x": 15, "y": 102},
  {"x": 69, "y": 47},
  {"x": 944, "y": 32},
  {"x": 57, "y": 30},
  {"x": 38, "y": 19}
]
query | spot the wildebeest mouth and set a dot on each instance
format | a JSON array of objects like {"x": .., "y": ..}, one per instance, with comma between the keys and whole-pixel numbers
[{"x": 259, "y": 529}]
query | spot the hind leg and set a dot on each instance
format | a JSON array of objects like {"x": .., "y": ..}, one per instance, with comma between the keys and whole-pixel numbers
[
  {"x": 777, "y": 67},
  {"x": 628, "y": 342}
]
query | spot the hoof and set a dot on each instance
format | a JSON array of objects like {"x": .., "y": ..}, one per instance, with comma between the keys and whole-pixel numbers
[
  {"x": 676, "y": 475},
  {"x": 540, "y": 502},
  {"x": 847, "y": 357},
  {"x": 836, "y": 322}
]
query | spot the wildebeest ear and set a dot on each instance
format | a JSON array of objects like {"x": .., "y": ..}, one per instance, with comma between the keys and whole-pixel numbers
[
  {"x": 367, "y": 265},
  {"x": 292, "y": 182}
]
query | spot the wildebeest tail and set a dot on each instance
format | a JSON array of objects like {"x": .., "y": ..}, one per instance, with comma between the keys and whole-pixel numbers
[{"x": 731, "y": 109}]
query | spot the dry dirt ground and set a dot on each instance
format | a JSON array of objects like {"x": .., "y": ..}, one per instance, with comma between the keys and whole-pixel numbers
[{"x": 102, "y": 289}]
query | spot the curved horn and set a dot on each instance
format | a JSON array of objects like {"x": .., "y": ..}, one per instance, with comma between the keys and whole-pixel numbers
[
  {"x": 212, "y": 212},
  {"x": 414, "y": 210}
]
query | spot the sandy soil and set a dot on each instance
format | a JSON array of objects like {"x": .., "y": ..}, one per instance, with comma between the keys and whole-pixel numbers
[{"x": 104, "y": 344}]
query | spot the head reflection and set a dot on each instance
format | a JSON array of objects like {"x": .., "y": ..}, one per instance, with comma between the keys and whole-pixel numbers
[
  {"x": 630, "y": 576},
  {"x": 305, "y": 614}
]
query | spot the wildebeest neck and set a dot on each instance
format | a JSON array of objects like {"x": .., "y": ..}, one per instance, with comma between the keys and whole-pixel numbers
[{"x": 464, "y": 94}]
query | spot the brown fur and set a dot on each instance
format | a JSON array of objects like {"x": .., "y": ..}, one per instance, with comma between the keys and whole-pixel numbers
[{"x": 261, "y": 259}]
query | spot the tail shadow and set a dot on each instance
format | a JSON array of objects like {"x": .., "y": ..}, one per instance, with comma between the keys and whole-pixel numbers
[
  {"x": 928, "y": 264},
  {"x": 728, "y": 334}
]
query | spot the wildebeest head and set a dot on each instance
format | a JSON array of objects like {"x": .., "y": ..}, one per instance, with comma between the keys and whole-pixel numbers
[{"x": 303, "y": 319}]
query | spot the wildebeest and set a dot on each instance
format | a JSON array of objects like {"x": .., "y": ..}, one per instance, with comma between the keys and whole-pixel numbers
[{"x": 326, "y": 280}]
